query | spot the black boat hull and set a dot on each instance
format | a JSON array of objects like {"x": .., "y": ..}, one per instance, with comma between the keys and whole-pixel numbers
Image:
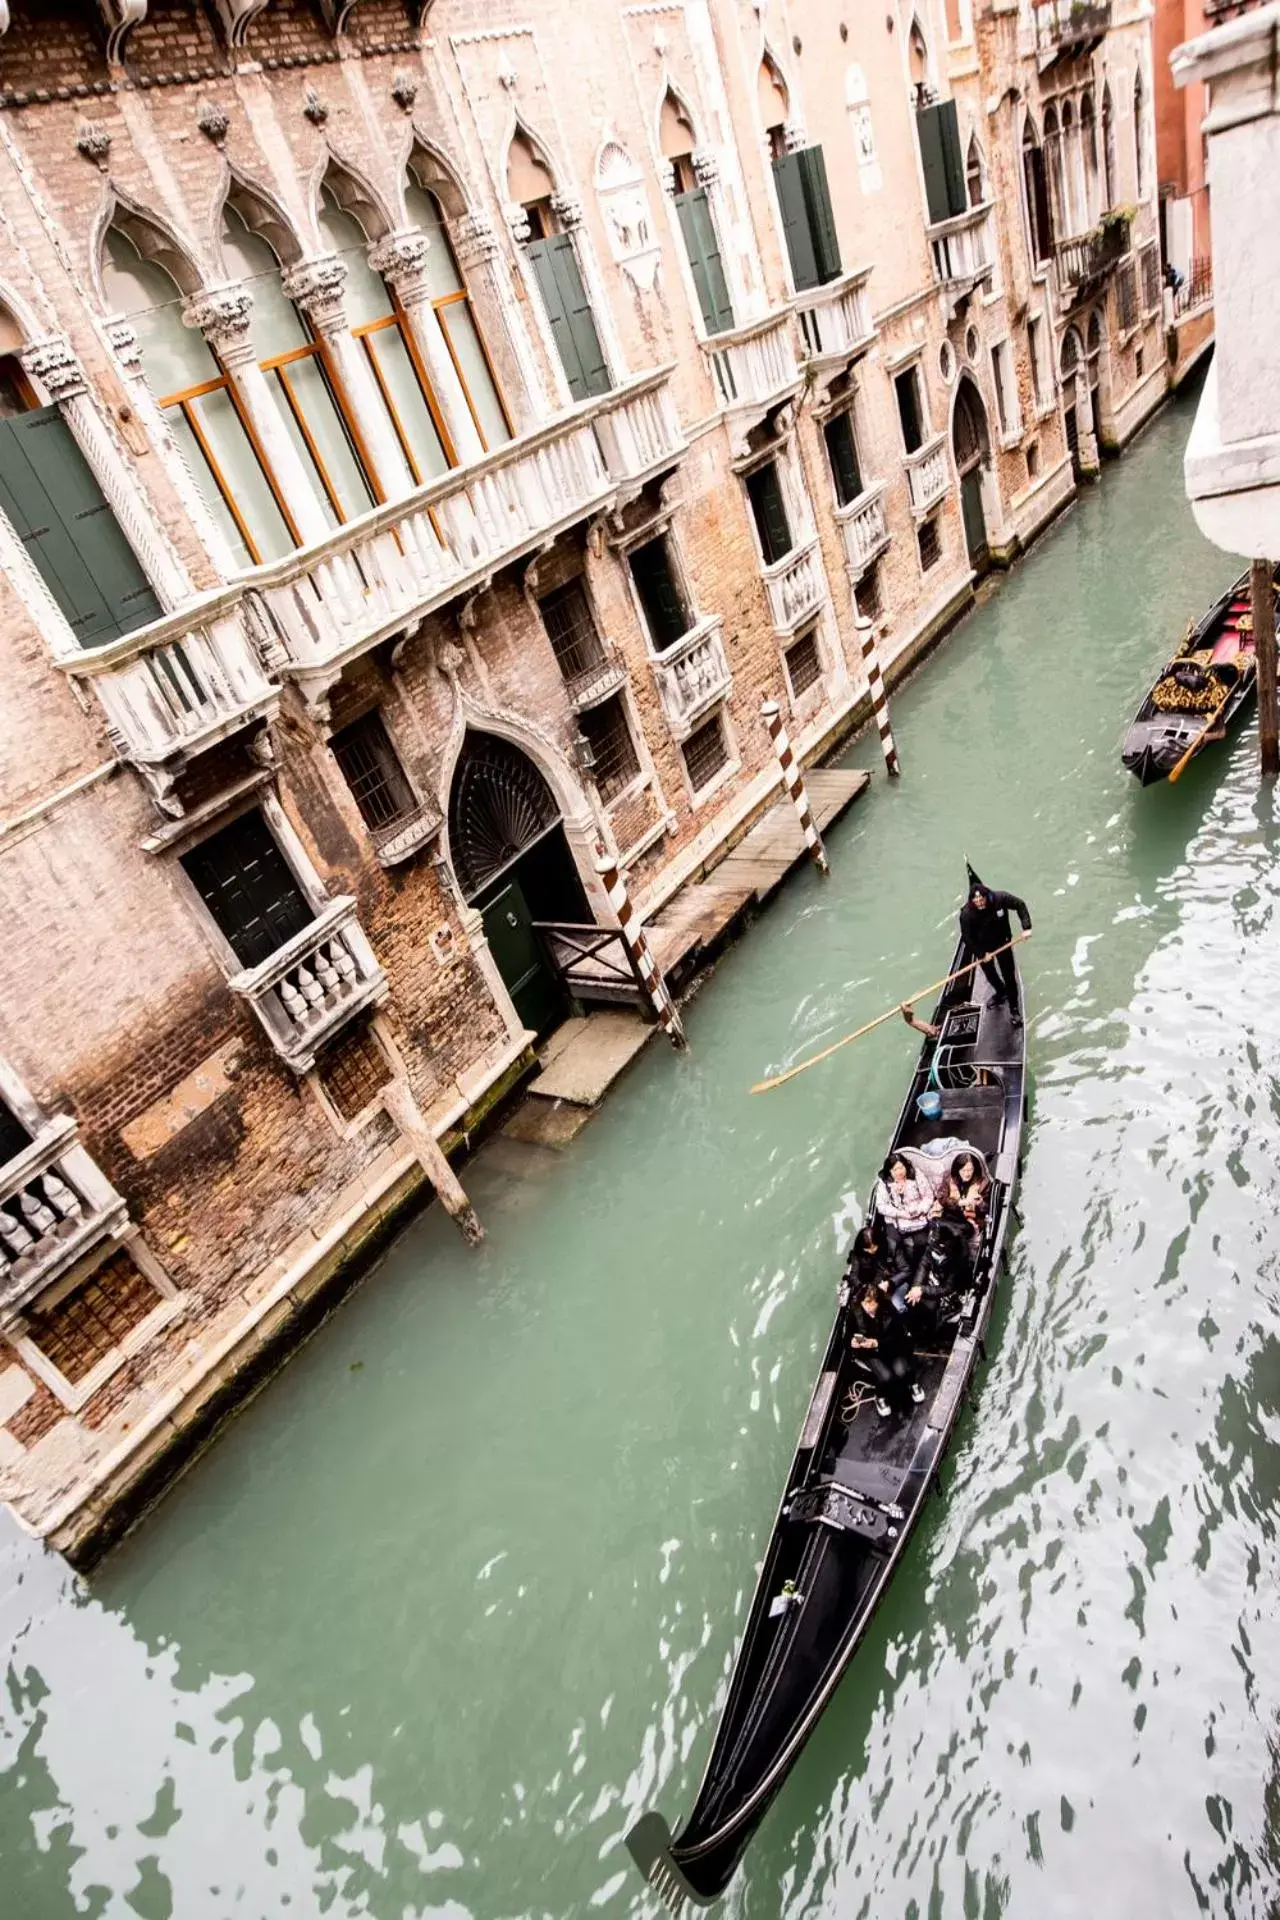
[
  {"x": 853, "y": 1496},
  {"x": 1159, "y": 739}
]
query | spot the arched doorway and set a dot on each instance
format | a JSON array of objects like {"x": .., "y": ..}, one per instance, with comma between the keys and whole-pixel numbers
[
  {"x": 1070, "y": 361},
  {"x": 514, "y": 866},
  {"x": 972, "y": 446},
  {"x": 1093, "y": 372}
]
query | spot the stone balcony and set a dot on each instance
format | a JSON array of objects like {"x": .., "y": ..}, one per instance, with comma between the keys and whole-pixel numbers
[
  {"x": 1067, "y": 29},
  {"x": 596, "y": 680},
  {"x": 754, "y": 371},
  {"x": 928, "y": 474},
  {"x": 796, "y": 587},
  {"x": 310, "y": 987},
  {"x": 864, "y": 528},
  {"x": 1084, "y": 260},
  {"x": 960, "y": 250},
  {"x": 401, "y": 839},
  {"x": 55, "y": 1207},
  {"x": 836, "y": 327},
  {"x": 693, "y": 676}
]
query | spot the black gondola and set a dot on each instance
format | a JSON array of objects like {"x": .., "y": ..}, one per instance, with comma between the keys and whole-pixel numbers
[
  {"x": 1203, "y": 689},
  {"x": 858, "y": 1481}
]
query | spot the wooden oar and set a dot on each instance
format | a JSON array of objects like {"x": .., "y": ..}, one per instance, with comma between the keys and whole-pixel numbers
[
  {"x": 1200, "y": 738},
  {"x": 766, "y": 1086}
]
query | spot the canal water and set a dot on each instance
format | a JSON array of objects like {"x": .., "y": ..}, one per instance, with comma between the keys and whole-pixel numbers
[{"x": 454, "y": 1600}]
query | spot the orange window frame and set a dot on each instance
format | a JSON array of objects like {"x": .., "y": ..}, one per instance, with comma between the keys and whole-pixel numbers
[
  {"x": 452, "y": 300},
  {"x": 399, "y": 320},
  {"x": 183, "y": 399},
  {"x": 317, "y": 350}
]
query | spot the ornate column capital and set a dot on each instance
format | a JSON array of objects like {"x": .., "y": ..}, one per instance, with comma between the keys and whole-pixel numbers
[
  {"x": 316, "y": 286},
  {"x": 474, "y": 239},
  {"x": 706, "y": 166},
  {"x": 518, "y": 222},
  {"x": 567, "y": 209},
  {"x": 122, "y": 337},
  {"x": 223, "y": 315},
  {"x": 401, "y": 258},
  {"x": 52, "y": 362},
  {"x": 794, "y": 136}
]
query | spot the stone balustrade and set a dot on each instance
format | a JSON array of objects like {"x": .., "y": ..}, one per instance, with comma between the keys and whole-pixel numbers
[
  {"x": 597, "y": 680},
  {"x": 693, "y": 675},
  {"x": 753, "y": 369},
  {"x": 311, "y": 986},
  {"x": 181, "y": 684},
  {"x": 55, "y": 1206},
  {"x": 928, "y": 474},
  {"x": 1088, "y": 256},
  {"x": 864, "y": 528},
  {"x": 640, "y": 433},
  {"x": 796, "y": 586},
  {"x": 960, "y": 249},
  {"x": 1065, "y": 29},
  {"x": 835, "y": 321}
]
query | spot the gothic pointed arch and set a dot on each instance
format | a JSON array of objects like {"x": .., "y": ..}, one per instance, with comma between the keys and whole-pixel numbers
[
  {"x": 774, "y": 99},
  {"x": 499, "y": 806},
  {"x": 970, "y": 436},
  {"x": 528, "y": 169},
  {"x": 154, "y": 241},
  {"x": 355, "y": 197},
  {"x": 263, "y": 215},
  {"x": 1072, "y": 352},
  {"x": 431, "y": 170},
  {"x": 676, "y": 128}
]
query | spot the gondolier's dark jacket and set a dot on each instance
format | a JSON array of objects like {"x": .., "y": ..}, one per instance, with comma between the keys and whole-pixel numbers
[{"x": 986, "y": 928}]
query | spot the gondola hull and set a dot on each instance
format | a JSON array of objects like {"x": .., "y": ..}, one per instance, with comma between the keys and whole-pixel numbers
[
  {"x": 1217, "y": 648},
  {"x": 857, "y": 1484}
]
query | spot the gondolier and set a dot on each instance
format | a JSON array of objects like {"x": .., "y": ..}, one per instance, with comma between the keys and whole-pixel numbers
[{"x": 984, "y": 926}]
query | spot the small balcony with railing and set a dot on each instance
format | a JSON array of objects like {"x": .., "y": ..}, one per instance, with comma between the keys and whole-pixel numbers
[
  {"x": 56, "y": 1206},
  {"x": 693, "y": 676},
  {"x": 754, "y": 371},
  {"x": 836, "y": 327},
  {"x": 1085, "y": 260},
  {"x": 796, "y": 586},
  {"x": 310, "y": 987},
  {"x": 928, "y": 474},
  {"x": 864, "y": 528},
  {"x": 961, "y": 253},
  {"x": 1067, "y": 29}
]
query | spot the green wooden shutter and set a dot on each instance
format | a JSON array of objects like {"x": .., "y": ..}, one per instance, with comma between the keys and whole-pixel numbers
[
  {"x": 703, "y": 250},
  {"x": 573, "y": 325},
  {"x": 795, "y": 221},
  {"x": 59, "y": 513},
  {"x": 940, "y": 155},
  {"x": 822, "y": 225},
  {"x": 843, "y": 454},
  {"x": 770, "y": 512},
  {"x": 664, "y": 610}
]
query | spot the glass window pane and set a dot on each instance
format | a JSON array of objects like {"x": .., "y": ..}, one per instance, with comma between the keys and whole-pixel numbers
[
  {"x": 366, "y": 293},
  {"x": 465, "y": 341},
  {"x": 401, "y": 381},
  {"x": 277, "y": 326},
  {"x": 174, "y": 357},
  {"x": 311, "y": 391},
  {"x": 442, "y": 269},
  {"x": 241, "y": 474}
]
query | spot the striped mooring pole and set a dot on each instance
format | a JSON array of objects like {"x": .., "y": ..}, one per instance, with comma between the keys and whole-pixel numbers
[
  {"x": 879, "y": 698},
  {"x": 771, "y": 714},
  {"x": 642, "y": 961}
]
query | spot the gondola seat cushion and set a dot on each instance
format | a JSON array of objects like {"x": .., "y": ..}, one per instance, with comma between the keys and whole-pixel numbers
[{"x": 932, "y": 1164}]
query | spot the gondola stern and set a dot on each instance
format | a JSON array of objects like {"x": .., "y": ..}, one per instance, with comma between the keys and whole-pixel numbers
[{"x": 649, "y": 1844}]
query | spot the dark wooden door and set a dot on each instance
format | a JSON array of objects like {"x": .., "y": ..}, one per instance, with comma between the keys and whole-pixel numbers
[
  {"x": 975, "y": 524},
  {"x": 535, "y": 990},
  {"x": 249, "y": 888}
]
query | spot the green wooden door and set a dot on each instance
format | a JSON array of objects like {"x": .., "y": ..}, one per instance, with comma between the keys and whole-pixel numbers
[
  {"x": 703, "y": 250},
  {"x": 975, "y": 525},
  {"x": 769, "y": 509},
  {"x": 555, "y": 268},
  {"x": 58, "y": 511},
  {"x": 534, "y": 988},
  {"x": 796, "y": 229}
]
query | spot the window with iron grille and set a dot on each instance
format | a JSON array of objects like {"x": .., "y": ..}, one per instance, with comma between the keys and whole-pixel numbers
[
  {"x": 1126, "y": 296},
  {"x": 353, "y": 1071},
  {"x": 803, "y": 664},
  {"x": 92, "y": 1321},
  {"x": 705, "y": 753},
  {"x": 867, "y": 595},
  {"x": 930, "y": 544},
  {"x": 571, "y": 629},
  {"x": 371, "y": 770},
  {"x": 1150, "y": 258},
  {"x": 615, "y": 763}
]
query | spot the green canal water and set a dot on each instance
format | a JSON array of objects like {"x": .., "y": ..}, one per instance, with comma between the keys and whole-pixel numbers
[{"x": 454, "y": 1600}]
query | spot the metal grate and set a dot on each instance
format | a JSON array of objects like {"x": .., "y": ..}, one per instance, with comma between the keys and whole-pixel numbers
[
  {"x": 1126, "y": 296},
  {"x": 88, "y": 1324},
  {"x": 705, "y": 752},
  {"x": 613, "y": 752},
  {"x": 803, "y": 663},
  {"x": 930, "y": 544},
  {"x": 354, "y": 1071},
  {"x": 371, "y": 770},
  {"x": 867, "y": 595},
  {"x": 500, "y": 804},
  {"x": 1150, "y": 261},
  {"x": 566, "y": 615}
]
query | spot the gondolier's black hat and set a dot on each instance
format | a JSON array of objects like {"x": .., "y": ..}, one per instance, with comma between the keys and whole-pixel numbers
[{"x": 974, "y": 881}]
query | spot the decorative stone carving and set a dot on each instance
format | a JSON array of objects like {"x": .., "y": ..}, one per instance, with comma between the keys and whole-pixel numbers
[
  {"x": 314, "y": 108},
  {"x": 624, "y": 205},
  {"x": 213, "y": 122},
  {"x": 404, "y": 91},
  {"x": 450, "y": 659},
  {"x": 316, "y": 286},
  {"x": 121, "y": 17},
  {"x": 794, "y": 136},
  {"x": 401, "y": 258},
  {"x": 55, "y": 366},
  {"x": 122, "y": 336},
  {"x": 858, "y": 106},
  {"x": 567, "y": 209},
  {"x": 508, "y": 75},
  {"x": 223, "y": 315},
  {"x": 518, "y": 222},
  {"x": 474, "y": 239},
  {"x": 706, "y": 166},
  {"x": 93, "y": 141},
  {"x": 237, "y": 16}
]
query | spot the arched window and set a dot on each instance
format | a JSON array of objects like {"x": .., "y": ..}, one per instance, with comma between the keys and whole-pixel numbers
[
  {"x": 697, "y": 222},
  {"x": 918, "y": 64},
  {"x": 1039, "y": 224},
  {"x": 377, "y": 322},
  {"x": 1094, "y": 336},
  {"x": 975, "y": 173},
  {"x": 302, "y": 381},
  {"x": 200, "y": 404},
  {"x": 551, "y": 254},
  {"x": 1057, "y": 184},
  {"x": 456, "y": 315},
  {"x": 1108, "y": 152},
  {"x": 1139, "y": 135},
  {"x": 1071, "y": 181},
  {"x": 771, "y": 91},
  {"x": 1089, "y": 147},
  {"x": 1070, "y": 358}
]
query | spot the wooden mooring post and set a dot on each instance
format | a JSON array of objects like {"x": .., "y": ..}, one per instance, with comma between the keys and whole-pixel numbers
[
  {"x": 645, "y": 968},
  {"x": 415, "y": 1129},
  {"x": 793, "y": 780},
  {"x": 1264, "y": 639}
]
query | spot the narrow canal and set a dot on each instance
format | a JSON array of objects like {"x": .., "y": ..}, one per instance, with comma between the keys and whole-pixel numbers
[{"x": 452, "y": 1601}]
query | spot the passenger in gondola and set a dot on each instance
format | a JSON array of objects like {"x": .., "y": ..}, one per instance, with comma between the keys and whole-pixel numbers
[
  {"x": 984, "y": 927},
  {"x": 902, "y": 1203},
  {"x": 882, "y": 1344},
  {"x": 945, "y": 1270},
  {"x": 968, "y": 1193},
  {"x": 867, "y": 1264}
]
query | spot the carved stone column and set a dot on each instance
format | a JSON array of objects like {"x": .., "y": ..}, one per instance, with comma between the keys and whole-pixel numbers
[
  {"x": 223, "y": 315},
  {"x": 317, "y": 287},
  {"x": 476, "y": 249},
  {"x": 55, "y": 367},
  {"x": 401, "y": 259}
]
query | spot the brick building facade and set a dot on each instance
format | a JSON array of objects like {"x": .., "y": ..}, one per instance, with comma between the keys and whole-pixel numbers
[{"x": 416, "y": 468}]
